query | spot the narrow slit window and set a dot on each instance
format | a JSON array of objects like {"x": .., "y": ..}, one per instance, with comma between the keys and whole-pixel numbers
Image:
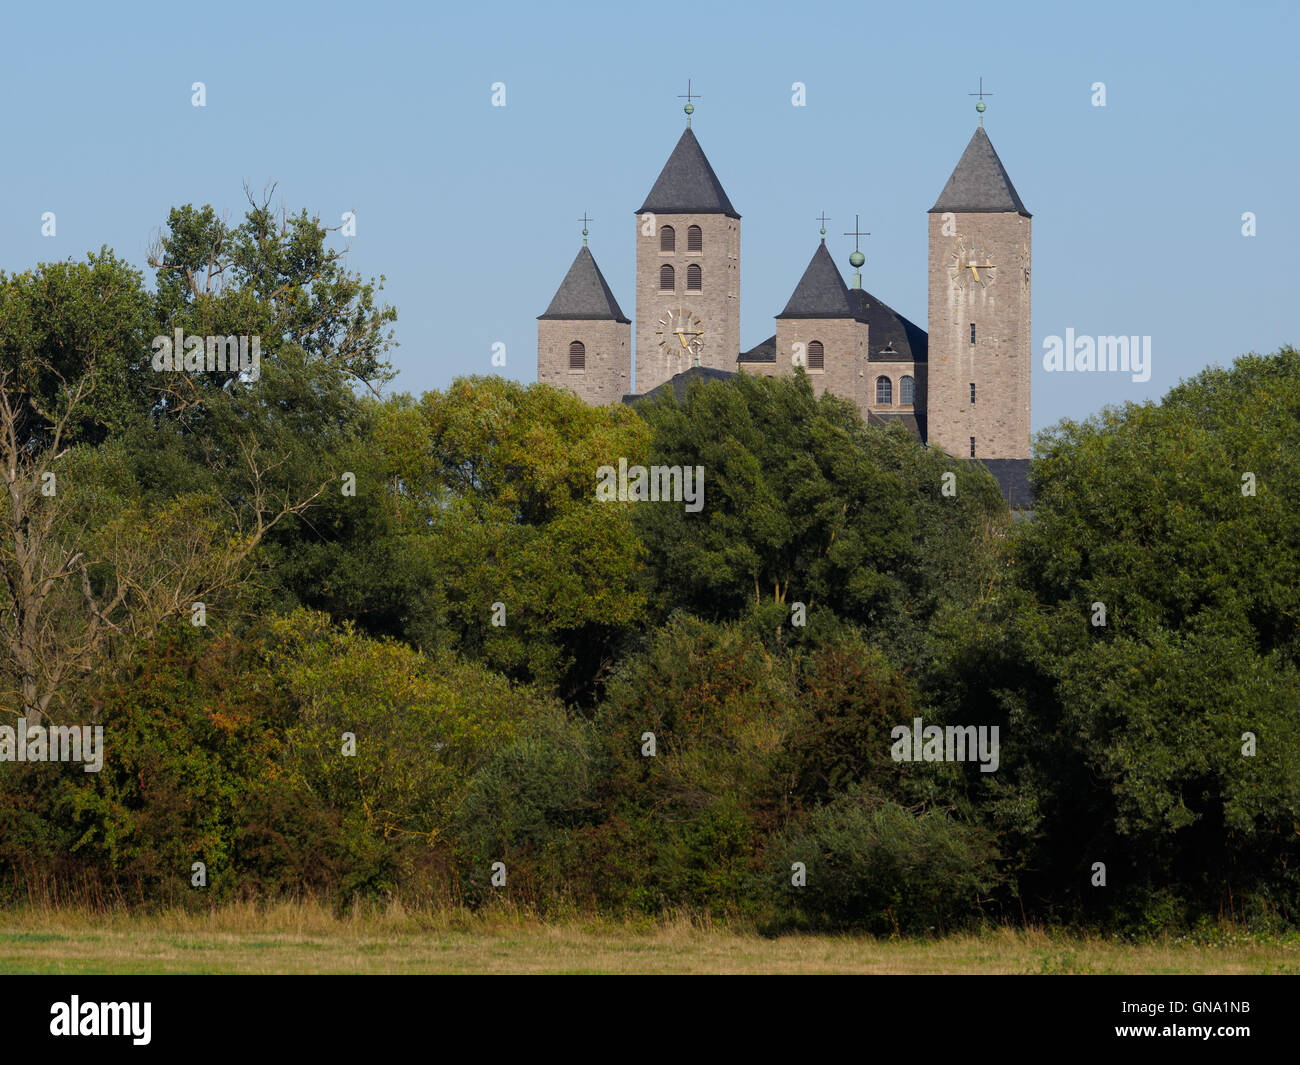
[
  {"x": 972, "y": 392},
  {"x": 972, "y": 447},
  {"x": 972, "y": 332}
]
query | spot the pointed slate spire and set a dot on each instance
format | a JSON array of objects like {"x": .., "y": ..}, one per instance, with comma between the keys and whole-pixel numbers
[
  {"x": 980, "y": 182},
  {"x": 687, "y": 184},
  {"x": 583, "y": 295},
  {"x": 821, "y": 292}
]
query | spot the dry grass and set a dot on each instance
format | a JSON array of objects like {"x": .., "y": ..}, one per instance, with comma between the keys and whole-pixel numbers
[{"x": 305, "y": 938}]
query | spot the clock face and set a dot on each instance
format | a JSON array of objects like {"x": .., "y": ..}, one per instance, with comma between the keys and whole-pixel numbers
[
  {"x": 680, "y": 331},
  {"x": 971, "y": 265}
]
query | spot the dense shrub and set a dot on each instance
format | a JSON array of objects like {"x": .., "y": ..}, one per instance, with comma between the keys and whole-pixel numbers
[
  {"x": 521, "y": 805},
  {"x": 871, "y": 863}
]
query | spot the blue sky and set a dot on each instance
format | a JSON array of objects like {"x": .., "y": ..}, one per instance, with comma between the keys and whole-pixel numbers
[{"x": 470, "y": 210}]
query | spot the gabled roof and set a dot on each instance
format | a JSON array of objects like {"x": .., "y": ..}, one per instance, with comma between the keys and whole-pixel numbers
[
  {"x": 583, "y": 295},
  {"x": 821, "y": 292},
  {"x": 907, "y": 419},
  {"x": 764, "y": 352},
  {"x": 890, "y": 336},
  {"x": 1012, "y": 476},
  {"x": 687, "y": 184},
  {"x": 980, "y": 182},
  {"x": 678, "y": 383}
]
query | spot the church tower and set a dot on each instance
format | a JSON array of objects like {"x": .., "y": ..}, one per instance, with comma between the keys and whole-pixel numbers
[
  {"x": 979, "y": 346},
  {"x": 583, "y": 338},
  {"x": 687, "y": 270},
  {"x": 820, "y": 330}
]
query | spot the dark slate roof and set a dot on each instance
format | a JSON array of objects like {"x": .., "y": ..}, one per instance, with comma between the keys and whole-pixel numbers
[
  {"x": 888, "y": 331},
  {"x": 678, "y": 383},
  {"x": 1012, "y": 476},
  {"x": 687, "y": 184},
  {"x": 583, "y": 295},
  {"x": 980, "y": 182},
  {"x": 821, "y": 292},
  {"x": 908, "y": 420},
  {"x": 764, "y": 352}
]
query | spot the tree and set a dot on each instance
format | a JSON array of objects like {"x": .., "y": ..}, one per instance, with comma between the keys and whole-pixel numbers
[
  {"x": 805, "y": 503},
  {"x": 1156, "y": 615},
  {"x": 495, "y": 487},
  {"x": 323, "y": 336},
  {"x": 209, "y": 463}
]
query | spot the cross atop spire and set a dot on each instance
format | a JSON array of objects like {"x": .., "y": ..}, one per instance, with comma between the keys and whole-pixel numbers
[
  {"x": 980, "y": 107},
  {"x": 857, "y": 258},
  {"x": 823, "y": 220},
  {"x": 856, "y": 233},
  {"x": 690, "y": 107},
  {"x": 584, "y": 220}
]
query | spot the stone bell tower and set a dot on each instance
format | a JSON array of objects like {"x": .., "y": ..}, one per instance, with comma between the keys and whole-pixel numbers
[
  {"x": 687, "y": 269},
  {"x": 979, "y": 351}
]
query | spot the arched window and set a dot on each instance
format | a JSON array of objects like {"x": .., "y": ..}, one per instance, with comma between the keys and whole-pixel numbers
[
  {"x": 577, "y": 356},
  {"x": 907, "y": 391},
  {"x": 667, "y": 239},
  {"x": 694, "y": 278},
  {"x": 667, "y": 278},
  {"x": 694, "y": 239},
  {"x": 884, "y": 392},
  {"x": 816, "y": 355}
]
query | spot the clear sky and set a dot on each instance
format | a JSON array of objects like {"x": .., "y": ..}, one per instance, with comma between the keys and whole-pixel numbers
[{"x": 471, "y": 210}]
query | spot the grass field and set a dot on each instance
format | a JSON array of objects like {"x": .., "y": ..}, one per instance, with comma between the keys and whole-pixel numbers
[{"x": 307, "y": 939}]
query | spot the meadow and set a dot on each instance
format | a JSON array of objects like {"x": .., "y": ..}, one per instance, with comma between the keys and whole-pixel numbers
[{"x": 306, "y": 938}]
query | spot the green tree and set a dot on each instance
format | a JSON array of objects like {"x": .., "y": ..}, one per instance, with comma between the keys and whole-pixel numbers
[
  {"x": 494, "y": 486},
  {"x": 1157, "y": 609},
  {"x": 804, "y": 503}
]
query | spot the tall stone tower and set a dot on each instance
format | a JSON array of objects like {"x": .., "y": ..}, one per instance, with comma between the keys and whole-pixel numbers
[
  {"x": 687, "y": 270},
  {"x": 583, "y": 339},
  {"x": 979, "y": 350}
]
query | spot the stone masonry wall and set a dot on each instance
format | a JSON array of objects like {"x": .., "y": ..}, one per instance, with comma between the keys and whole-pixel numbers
[
  {"x": 717, "y": 305},
  {"x": 999, "y": 362},
  {"x": 608, "y": 376}
]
